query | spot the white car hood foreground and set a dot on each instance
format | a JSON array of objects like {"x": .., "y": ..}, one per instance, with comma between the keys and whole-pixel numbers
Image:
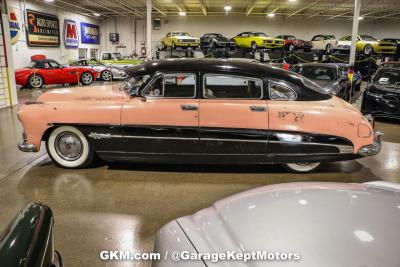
[{"x": 329, "y": 224}]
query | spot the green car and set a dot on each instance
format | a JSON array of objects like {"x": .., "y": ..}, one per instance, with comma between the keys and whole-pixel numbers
[{"x": 115, "y": 58}]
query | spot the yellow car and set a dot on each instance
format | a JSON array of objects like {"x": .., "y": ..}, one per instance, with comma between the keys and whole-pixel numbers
[
  {"x": 179, "y": 39},
  {"x": 256, "y": 40},
  {"x": 367, "y": 45}
]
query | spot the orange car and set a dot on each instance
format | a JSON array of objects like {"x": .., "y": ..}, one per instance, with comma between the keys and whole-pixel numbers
[{"x": 199, "y": 111}]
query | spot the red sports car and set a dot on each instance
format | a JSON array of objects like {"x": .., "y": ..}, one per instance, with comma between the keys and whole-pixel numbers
[
  {"x": 47, "y": 71},
  {"x": 292, "y": 43}
]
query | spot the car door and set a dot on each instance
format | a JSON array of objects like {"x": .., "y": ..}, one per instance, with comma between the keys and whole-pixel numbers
[
  {"x": 233, "y": 115},
  {"x": 165, "y": 119},
  {"x": 52, "y": 72}
]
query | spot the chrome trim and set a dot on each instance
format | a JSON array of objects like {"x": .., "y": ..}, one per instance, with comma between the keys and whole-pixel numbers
[
  {"x": 159, "y": 137},
  {"x": 374, "y": 148},
  {"x": 98, "y": 136},
  {"x": 24, "y": 146},
  {"x": 234, "y": 140}
]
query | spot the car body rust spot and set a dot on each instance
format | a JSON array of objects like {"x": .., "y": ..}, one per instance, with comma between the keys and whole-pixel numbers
[{"x": 297, "y": 116}]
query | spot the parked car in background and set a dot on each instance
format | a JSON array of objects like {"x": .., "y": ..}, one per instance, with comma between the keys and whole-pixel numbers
[
  {"x": 366, "y": 44},
  {"x": 166, "y": 112},
  {"x": 324, "y": 42},
  {"x": 256, "y": 40},
  {"x": 327, "y": 75},
  {"x": 382, "y": 96},
  {"x": 180, "y": 39},
  {"x": 395, "y": 41},
  {"x": 104, "y": 72},
  {"x": 390, "y": 64},
  {"x": 212, "y": 41},
  {"x": 292, "y": 43},
  {"x": 297, "y": 224},
  {"x": 116, "y": 59},
  {"x": 357, "y": 77},
  {"x": 48, "y": 71},
  {"x": 28, "y": 240}
]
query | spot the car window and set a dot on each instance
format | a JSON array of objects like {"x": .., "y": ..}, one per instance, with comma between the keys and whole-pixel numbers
[
  {"x": 318, "y": 38},
  {"x": 318, "y": 73},
  {"x": 281, "y": 91},
  {"x": 180, "y": 85},
  {"x": 32, "y": 65},
  {"x": 388, "y": 77},
  {"x": 54, "y": 65},
  {"x": 231, "y": 87},
  {"x": 367, "y": 38},
  {"x": 106, "y": 56}
]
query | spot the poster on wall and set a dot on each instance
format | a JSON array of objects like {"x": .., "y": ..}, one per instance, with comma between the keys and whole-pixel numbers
[
  {"x": 42, "y": 29},
  {"x": 90, "y": 33},
  {"x": 15, "y": 27},
  {"x": 71, "y": 39}
]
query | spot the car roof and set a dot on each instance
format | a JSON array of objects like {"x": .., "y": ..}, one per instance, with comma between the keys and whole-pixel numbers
[{"x": 44, "y": 60}]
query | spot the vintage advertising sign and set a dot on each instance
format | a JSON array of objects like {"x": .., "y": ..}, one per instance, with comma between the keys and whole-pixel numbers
[
  {"x": 42, "y": 29},
  {"x": 71, "y": 39},
  {"x": 90, "y": 33},
  {"x": 15, "y": 27}
]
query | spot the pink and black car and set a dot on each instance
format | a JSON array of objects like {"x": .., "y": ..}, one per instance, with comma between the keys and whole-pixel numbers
[{"x": 199, "y": 111}]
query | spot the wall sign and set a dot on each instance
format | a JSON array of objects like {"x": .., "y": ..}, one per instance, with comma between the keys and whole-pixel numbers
[
  {"x": 71, "y": 39},
  {"x": 15, "y": 27},
  {"x": 42, "y": 29},
  {"x": 90, "y": 33}
]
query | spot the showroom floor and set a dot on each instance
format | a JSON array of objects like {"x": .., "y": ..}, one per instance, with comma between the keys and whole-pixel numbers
[{"x": 122, "y": 206}]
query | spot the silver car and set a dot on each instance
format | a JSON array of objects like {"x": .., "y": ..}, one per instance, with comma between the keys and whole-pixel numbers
[
  {"x": 318, "y": 224},
  {"x": 104, "y": 72}
]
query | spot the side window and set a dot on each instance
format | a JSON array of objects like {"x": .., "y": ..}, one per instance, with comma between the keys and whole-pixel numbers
[
  {"x": 232, "y": 87},
  {"x": 281, "y": 91},
  {"x": 54, "y": 65},
  {"x": 180, "y": 85},
  {"x": 106, "y": 56}
]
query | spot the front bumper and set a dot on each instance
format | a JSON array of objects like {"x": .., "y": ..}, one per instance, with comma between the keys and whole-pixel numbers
[
  {"x": 24, "y": 146},
  {"x": 374, "y": 148}
]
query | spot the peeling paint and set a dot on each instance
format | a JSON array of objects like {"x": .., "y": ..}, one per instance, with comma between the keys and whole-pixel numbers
[{"x": 297, "y": 116}]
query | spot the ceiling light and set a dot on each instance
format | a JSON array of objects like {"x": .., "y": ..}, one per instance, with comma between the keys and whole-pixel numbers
[
  {"x": 182, "y": 13},
  {"x": 271, "y": 15},
  {"x": 292, "y": 0},
  {"x": 227, "y": 8},
  {"x": 97, "y": 14},
  {"x": 360, "y": 18},
  {"x": 49, "y": 1}
]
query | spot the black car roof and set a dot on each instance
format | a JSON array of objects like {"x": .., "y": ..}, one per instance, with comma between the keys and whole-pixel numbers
[{"x": 327, "y": 65}]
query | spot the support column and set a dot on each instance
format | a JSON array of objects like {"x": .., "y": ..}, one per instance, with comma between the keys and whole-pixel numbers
[
  {"x": 357, "y": 7},
  {"x": 148, "y": 29}
]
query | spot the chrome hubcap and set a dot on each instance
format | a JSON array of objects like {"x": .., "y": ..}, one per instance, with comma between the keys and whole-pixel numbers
[
  {"x": 106, "y": 75},
  {"x": 368, "y": 50},
  {"x": 87, "y": 78},
  {"x": 68, "y": 146},
  {"x": 36, "y": 81}
]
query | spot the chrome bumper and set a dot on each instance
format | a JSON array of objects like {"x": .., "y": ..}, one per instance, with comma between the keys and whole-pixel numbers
[
  {"x": 374, "y": 148},
  {"x": 24, "y": 146}
]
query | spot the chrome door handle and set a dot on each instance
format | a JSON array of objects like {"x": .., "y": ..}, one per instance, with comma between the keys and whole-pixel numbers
[
  {"x": 188, "y": 107},
  {"x": 258, "y": 108}
]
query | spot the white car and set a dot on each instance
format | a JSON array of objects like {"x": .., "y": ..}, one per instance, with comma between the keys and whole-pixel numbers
[
  {"x": 104, "y": 72},
  {"x": 310, "y": 224},
  {"x": 324, "y": 42}
]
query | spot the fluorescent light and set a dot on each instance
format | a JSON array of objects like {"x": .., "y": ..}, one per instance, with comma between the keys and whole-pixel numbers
[
  {"x": 49, "y": 1},
  {"x": 292, "y": 0},
  {"x": 228, "y": 8},
  {"x": 182, "y": 13},
  {"x": 271, "y": 15},
  {"x": 97, "y": 14},
  {"x": 360, "y": 18}
]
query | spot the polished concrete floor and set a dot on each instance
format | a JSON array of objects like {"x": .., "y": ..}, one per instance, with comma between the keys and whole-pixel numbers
[{"x": 122, "y": 206}]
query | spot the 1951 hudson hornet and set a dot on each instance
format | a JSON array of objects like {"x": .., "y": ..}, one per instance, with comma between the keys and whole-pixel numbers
[{"x": 199, "y": 111}]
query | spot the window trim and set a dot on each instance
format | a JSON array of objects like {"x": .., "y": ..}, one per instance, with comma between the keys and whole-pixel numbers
[
  {"x": 158, "y": 75},
  {"x": 231, "y": 75},
  {"x": 283, "y": 84}
]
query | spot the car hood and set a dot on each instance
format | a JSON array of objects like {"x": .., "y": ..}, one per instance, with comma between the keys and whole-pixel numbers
[
  {"x": 186, "y": 37},
  {"x": 223, "y": 39},
  {"x": 87, "y": 93},
  {"x": 329, "y": 224}
]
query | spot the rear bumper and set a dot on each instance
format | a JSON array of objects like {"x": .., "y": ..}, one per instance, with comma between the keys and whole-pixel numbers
[
  {"x": 374, "y": 148},
  {"x": 24, "y": 146}
]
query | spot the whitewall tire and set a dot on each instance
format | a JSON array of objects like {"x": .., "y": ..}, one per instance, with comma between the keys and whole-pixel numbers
[
  {"x": 69, "y": 148},
  {"x": 302, "y": 167}
]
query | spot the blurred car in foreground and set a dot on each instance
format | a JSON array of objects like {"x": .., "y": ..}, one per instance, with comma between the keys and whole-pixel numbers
[
  {"x": 326, "y": 224},
  {"x": 28, "y": 239},
  {"x": 104, "y": 72},
  {"x": 382, "y": 96}
]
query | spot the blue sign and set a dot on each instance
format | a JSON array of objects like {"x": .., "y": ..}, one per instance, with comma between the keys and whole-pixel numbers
[{"x": 90, "y": 33}]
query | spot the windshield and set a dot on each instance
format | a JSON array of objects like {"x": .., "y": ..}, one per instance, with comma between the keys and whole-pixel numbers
[
  {"x": 367, "y": 38},
  {"x": 261, "y": 34},
  {"x": 388, "y": 77},
  {"x": 31, "y": 65},
  {"x": 117, "y": 56},
  {"x": 180, "y": 34},
  {"x": 318, "y": 73}
]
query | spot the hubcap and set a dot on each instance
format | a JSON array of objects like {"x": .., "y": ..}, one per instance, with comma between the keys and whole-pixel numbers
[
  {"x": 87, "y": 78},
  {"x": 367, "y": 50},
  {"x": 303, "y": 167},
  {"x": 36, "y": 81},
  {"x": 68, "y": 146},
  {"x": 106, "y": 75}
]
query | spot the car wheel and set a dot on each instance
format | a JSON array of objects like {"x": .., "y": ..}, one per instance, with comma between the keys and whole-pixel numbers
[
  {"x": 69, "y": 148},
  {"x": 368, "y": 50},
  {"x": 329, "y": 49},
  {"x": 291, "y": 47},
  {"x": 86, "y": 78},
  {"x": 164, "y": 47},
  {"x": 302, "y": 167},
  {"x": 35, "y": 81},
  {"x": 254, "y": 46},
  {"x": 106, "y": 75}
]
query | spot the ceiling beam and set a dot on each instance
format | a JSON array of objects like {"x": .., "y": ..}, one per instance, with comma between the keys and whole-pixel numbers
[
  {"x": 104, "y": 7},
  {"x": 341, "y": 14},
  {"x": 126, "y": 7},
  {"x": 251, "y": 7},
  {"x": 388, "y": 15},
  {"x": 69, "y": 9},
  {"x": 304, "y": 8},
  {"x": 155, "y": 7},
  {"x": 203, "y": 7}
]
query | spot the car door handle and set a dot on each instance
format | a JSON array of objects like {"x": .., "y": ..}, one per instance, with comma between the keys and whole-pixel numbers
[
  {"x": 188, "y": 107},
  {"x": 258, "y": 108}
]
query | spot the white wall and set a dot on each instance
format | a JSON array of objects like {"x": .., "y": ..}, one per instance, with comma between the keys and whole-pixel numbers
[
  {"x": 22, "y": 52},
  {"x": 232, "y": 25}
]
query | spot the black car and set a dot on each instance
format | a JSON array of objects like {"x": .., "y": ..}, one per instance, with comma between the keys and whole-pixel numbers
[
  {"x": 382, "y": 96},
  {"x": 395, "y": 41},
  {"x": 28, "y": 239},
  {"x": 210, "y": 41},
  {"x": 327, "y": 75}
]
